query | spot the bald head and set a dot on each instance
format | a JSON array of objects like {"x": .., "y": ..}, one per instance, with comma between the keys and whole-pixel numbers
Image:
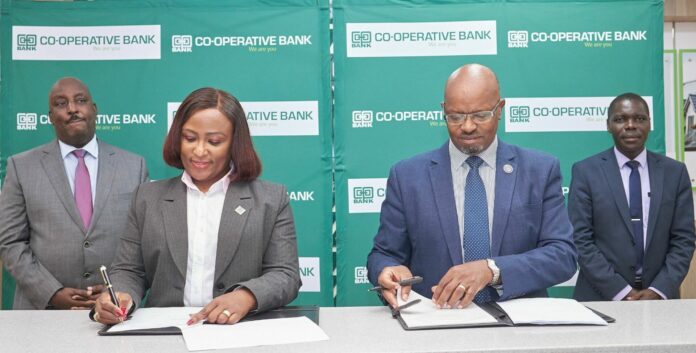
[
  {"x": 472, "y": 83},
  {"x": 472, "y": 89},
  {"x": 65, "y": 82}
]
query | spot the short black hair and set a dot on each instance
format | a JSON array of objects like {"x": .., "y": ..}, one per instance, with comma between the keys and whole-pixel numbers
[{"x": 627, "y": 96}]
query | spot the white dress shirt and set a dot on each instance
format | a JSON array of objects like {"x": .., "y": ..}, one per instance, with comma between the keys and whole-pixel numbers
[
  {"x": 91, "y": 161},
  {"x": 459, "y": 172},
  {"x": 203, "y": 214}
]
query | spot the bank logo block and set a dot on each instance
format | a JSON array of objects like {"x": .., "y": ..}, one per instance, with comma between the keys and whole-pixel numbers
[
  {"x": 361, "y": 39},
  {"x": 361, "y": 275},
  {"x": 518, "y": 39},
  {"x": 366, "y": 195},
  {"x": 406, "y": 39},
  {"x": 362, "y": 118},
  {"x": 182, "y": 43},
  {"x": 26, "y": 42},
  {"x": 26, "y": 121}
]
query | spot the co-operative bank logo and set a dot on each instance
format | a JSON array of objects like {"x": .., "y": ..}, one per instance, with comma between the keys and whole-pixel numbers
[
  {"x": 26, "y": 121},
  {"x": 26, "y": 42},
  {"x": 519, "y": 114},
  {"x": 363, "y": 194},
  {"x": 182, "y": 43},
  {"x": 361, "y": 39},
  {"x": 361, "y": 275},
  {"x": 362, "y": 118},
  {"x": 518, "y": 39},
  {"x": 366, "y": 195}
]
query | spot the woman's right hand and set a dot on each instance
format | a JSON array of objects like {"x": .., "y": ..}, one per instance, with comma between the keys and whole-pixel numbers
[{"x": 107, "y": 313}]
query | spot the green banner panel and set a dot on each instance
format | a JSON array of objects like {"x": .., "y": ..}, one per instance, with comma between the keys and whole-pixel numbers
[
  {"x": 559, "y": 64},
  {"x": 141, "y": 58}
]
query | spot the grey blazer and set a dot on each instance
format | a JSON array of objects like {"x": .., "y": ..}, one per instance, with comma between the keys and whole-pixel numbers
[
  {"x": 256, "y": 249},
  {"x": 43, "y": 243}
]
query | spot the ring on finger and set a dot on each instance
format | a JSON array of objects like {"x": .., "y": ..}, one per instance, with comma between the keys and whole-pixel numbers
[
  {"x": 463, "y": 287},
  {"x": 226, "y": 313}
]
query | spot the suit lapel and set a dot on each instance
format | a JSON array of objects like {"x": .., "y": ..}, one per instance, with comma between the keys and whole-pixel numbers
[
  {"x": 235, "y": 211},
  {"x": 54, "y": 167},
  {"x": 441, "y": 182},
  {"x": 105, "y": 178},
  {"x": 656, "y": 172},
  {"x": 504, "y": 189},
  {"x": 175, "y": 224},
  {"x": 612, "y": 175}
]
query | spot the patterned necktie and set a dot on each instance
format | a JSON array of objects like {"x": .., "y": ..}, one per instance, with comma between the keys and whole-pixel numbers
[
  {"x": 83, "y": 189},
  {"x": 476, "y": 239},
  {"x": 636, "y": 210}
]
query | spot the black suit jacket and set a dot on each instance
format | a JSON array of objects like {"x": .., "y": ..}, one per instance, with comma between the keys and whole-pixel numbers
[{"x": 602, "y": 231}]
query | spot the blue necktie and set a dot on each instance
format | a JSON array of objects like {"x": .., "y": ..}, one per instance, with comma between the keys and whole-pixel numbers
[
  {"x": 636, "y": 210},
  {"x": 476, "y": 239}
]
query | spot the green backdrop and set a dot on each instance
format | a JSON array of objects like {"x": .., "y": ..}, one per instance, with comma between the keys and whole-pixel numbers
[
  {"x": 273, "y": 54},
  {"x": 559, "y": 63},
  {"x": 548, "y": 55}
]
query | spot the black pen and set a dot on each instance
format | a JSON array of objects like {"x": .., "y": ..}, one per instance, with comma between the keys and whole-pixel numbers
[
  {"x": 109, "y": 287},
  {"x": 403, "y": 282},
  {"x": 396, "y": 311}
]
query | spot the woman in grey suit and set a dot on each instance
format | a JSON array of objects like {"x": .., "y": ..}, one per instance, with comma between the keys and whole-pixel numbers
[{"x": 216, "y": 236}]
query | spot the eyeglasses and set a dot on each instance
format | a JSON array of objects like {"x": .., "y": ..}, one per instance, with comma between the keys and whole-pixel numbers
[{"x": 477, "y": 117}]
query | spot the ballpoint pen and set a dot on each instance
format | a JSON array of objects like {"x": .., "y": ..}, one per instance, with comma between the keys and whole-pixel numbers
[
  {"x": 403, "y": 282},
  {"x": 109, "y": 287}
]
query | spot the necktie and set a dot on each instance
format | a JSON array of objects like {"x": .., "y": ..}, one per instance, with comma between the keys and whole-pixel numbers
[
  {"x": 83, "y": 189},
  {"x": 476, "y": 239},
  {"x": 636, "y": 210}
]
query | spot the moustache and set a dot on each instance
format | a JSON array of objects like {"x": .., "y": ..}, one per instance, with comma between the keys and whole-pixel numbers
[{"x": 74, "y": 118}]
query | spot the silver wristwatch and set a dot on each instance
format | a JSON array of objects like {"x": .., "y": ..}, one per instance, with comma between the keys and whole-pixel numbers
[{"x": 496, "y": 272}]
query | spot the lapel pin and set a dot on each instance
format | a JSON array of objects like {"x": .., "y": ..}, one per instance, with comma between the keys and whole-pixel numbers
[
  {"x": 240, "y": 210},
  {"x": 508, "y": 168}
]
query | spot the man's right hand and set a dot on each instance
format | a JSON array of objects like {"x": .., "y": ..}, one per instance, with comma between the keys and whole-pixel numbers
[
  {"x": 632, "y": 295},
  {"x": 389, "y": 279},
  {"x": 72, "y": 298}
]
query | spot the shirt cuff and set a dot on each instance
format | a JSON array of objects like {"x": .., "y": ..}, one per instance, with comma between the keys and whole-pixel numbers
[
  {"x": 658, "y": 292},
  {"x": 622, "y": 294}
]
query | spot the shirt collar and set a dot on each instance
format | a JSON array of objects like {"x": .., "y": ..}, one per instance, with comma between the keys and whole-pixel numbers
[
  {"x": 92, "y": 148},
  {"x": 219, "y": 186},
  {"x": 458, "y": 157},
  {"x": 642, "y": 158}
]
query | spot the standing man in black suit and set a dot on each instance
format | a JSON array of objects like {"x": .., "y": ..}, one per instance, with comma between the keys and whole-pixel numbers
[{"x": 632, "y": 213}]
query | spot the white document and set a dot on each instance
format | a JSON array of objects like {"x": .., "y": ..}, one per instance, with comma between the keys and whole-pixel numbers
[
  {"x": 549, "y": 311},
  {"x": 426, "y": 314},
  {"x": 148, "y": 318},
  {"x": 252, "y": 333}
]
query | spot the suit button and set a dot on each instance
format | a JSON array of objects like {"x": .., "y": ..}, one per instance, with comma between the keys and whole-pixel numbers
[
  {"x": 86, "y": 244},
  {"x": 633, "y": 268},
  {"x": 220, "y": 286},
  {"x": 86, "y": 274}
]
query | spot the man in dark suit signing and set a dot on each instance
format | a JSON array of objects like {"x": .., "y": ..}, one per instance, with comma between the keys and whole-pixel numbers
[
  {"x": 63, "y": 206},
  {"x": 480, "y": 220},
  {"x": 633, "y": 214}
]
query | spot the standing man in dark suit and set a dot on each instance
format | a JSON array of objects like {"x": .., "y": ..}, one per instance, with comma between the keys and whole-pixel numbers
[
  {"x": 63, "y": 206},
  {"x": 477, "y": 218},
  {"x": 633, "y": 214}
]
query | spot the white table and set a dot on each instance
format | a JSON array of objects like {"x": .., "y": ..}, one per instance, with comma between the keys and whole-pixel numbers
[{"x": 657, "y": 326}]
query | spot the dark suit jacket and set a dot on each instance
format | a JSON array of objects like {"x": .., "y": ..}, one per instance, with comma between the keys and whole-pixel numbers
[
  {"x": 43, "y": 242},
  {"x": 603, "y": 235},
  {"x": 256, "y": 249},
  {"x": 531, "y": 237}
]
